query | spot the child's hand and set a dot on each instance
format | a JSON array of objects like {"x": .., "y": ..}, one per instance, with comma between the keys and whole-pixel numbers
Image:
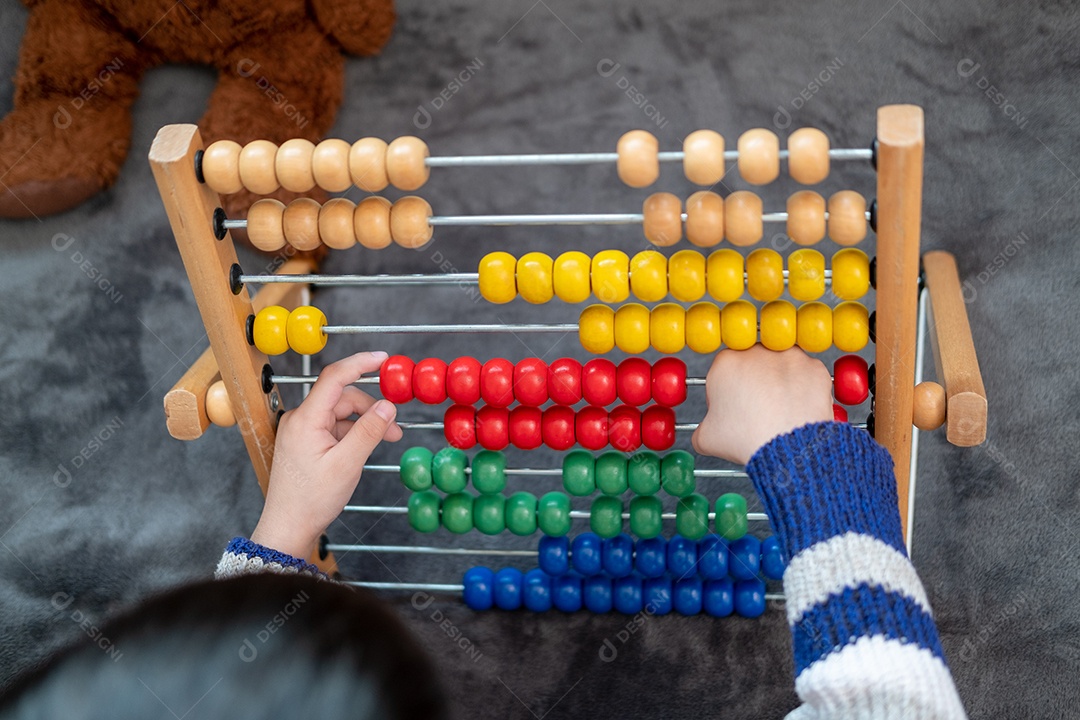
[
  {"x": 320, "y": 454},
  {"x": 754, "y": 395}
]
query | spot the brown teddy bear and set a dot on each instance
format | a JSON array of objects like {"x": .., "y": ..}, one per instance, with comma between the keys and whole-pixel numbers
[{"x": 281, "y": 75}]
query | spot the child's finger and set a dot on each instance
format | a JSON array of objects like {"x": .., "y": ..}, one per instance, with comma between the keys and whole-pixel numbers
[
  {"x": 354, "y": 401},
  {"x": 335, "y": 378},
  {"x": 366, "y": 433},
  {"x": 342, "y": 428}
]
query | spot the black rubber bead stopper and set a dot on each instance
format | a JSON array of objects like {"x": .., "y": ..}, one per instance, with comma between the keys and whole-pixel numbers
[
  {"x": 873, "y": 153},
  {"x": 873, "y": 214},
  {"x": 870, "y": 424},
  {"x": 873, "y": 326},
  {"x": 871, "y": 379},
  {"x": 198, "y": 166},
  {"x": 873, "y": 272},
  {"x": 219, "y": 223},
  {"x": 323, "y": 542},
  {"x": 234, "y": 279},
  {"x": 267, "y": 373},
  {"x": 249, "y": 330}
]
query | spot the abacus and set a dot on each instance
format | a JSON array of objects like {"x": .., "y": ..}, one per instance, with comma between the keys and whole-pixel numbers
[{"x": 713, "y": 563}]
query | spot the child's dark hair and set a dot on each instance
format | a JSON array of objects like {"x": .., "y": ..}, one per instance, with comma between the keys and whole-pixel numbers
[{"x": 255, "y": 646}]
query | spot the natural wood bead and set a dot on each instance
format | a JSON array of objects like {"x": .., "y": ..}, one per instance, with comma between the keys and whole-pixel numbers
[
  {"x": 847, "y": 217},
  {"x": 218, "y": 407},
  {"x": 759, "y": 156},
  {"x": 929, "y": 406},
  {"x": 293, "y": 165},
  {"x": 409, "y": 222},
  {"x": 336, "y": 224},
  {"x": 742, "y": 218},
  {"x": 330, "y": 165},
  {"x": 703, "y": 160},
  {"x": 705, "y": 218},
  {"x": 367, "y": 164},
  {"x": 265, "y": 224},
  {"x": 806, "y": 217},
  {"x": 257, "y": 167},
  {"x": 663, "y": 219},
  {"x": 371, "y": 223},
  {"x": 405, "y": 165},
  {"x": 301, "y": 223},
  {"x": 221, "y": 167},
  {"x": 639, "y": 163},
  {"x": 808, "y": 156}
]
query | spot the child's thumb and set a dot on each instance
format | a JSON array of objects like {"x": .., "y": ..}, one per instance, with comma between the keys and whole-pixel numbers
[{"x": 367, "y": 432}]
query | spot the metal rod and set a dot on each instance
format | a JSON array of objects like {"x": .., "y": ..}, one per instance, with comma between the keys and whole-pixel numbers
[
  {"x": 374, "y": 379},
  {"x": 431, "y": 550},
  {"x": 465, "y": 328},
  {"x": 431, "y": 279},
  {"x": 841, "y": 154},
  {"x": 439, "y": 588},
  {"x": 920, "y": 352},
  {"x": 557, "y": 472},
  {"x": 575, "y": 514}
]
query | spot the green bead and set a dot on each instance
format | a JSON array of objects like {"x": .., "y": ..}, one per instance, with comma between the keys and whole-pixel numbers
[
  {"x": 643, "y": 471},
  {"x": 489, "y": 513},
  {"x": 692, "y": 516},
  {"x": 448, "y": 470},
  {"x": 424, "y": 511},
  {"x": 579, "y": 473},
  {"x": 605, "y": 517},
  {"x": 645, "y": 520},
  {"x": 521, "y": 513},
  {"x": 553, "y": 514},
  {"x": 611, "y": 473},
  {"x": 731, "y": 516},
  {"x": 416, "y": 468},
  {"x": 677, "y": 473},
  {"x": 457, "y": 512},
  {"x": 489, "y": 472}
]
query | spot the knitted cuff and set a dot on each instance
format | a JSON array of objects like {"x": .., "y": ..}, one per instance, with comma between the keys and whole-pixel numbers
[{"x": 243, "y": 557}]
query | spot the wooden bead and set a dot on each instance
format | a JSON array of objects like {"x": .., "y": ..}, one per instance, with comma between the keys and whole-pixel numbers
[
  {"x": 929, "y": 406},
  {"x": 304, "y": 329},
  {"x": 256, "y": 165},
  {"x": 610, "y": 276},
  {"x": 639, "y": 162},
  {"x": 759, "y": 156},
  {"x": 724, "y": 275},
  {"x": 765, "y": 274},
  {"x": 738, "y": 325},
  {"x": 497, "y": 280},
  {"x": 806, "y": 217},
  {"x": 330, "y": 165},
  {"x": 221, "y": 167},
  {"x": 405, "y": 165},
  {"x": 702, "y": 328},
  {"x": 703, "y": 160},
  {"x": 409, "y": 222},
  {"x": 632, "y": 328},
  {"x": 649, "y": 276},
  {"x": 808, "y": 156},
  {"x": 301, "y": 224},
  {"x": 705, "y": 219},
  {"x": 265, "y": 224},
  {"x": 850, "y": 274},
  {"x": 293, "y": 165},
  {"x": 814, "y": 331},
  {"x": 535, "y": 282},
  {"x": 778, "y": 325},
  {"x": 742, "y": 218},
  {"x": 269, "y": 330},
  {"x": 686, "y": 275},
  {"x": 851, "y": 326},
  {"x": 663, "y": 219},
  {"x": 371, "y": 223},
  {"x": 218, "y": 407},
  {"x": 336, "y": 223},
  {"x": 667, "y": 328},
  {"x": 847, "y": 217},
  {"x": 596, "y": 329},
  {"x": 806, "y": 274},
  {"x": 367, "y": 164},
  {"x": 571, "y": 277}
]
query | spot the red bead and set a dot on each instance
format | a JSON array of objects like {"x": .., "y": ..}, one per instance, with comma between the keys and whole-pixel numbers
[
  {"x": 624, "y": 428},
  {"x": 497, "y": 382},
  {"x": 839, "y": 414},
  {"x": 598, "y": 385},
  {"x": 558, "y": 427},
  {"x": 850, "y": 383},
  {"x": 493, "y": 427},
  {"x": 591, "y": 427},
  {"x": 530, "y": 382},
  {"x": 633, "y": 381},
  {"x": 395, "y": 379},
  {"x": 658, "y": 427},
  {"x": 669, "y": 382},
  {"x": 429, "y": 381},
  {"x": 525, "y": 430},
  {"x": 463, "y": 380},
  {"x": 459, "y": 426},
  {"x": 564, "y": 381}
]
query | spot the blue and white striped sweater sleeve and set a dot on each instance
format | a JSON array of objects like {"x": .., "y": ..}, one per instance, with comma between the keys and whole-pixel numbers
[
  {"x": 244, "y": 557},
  {"x": 864, "y": 638}
]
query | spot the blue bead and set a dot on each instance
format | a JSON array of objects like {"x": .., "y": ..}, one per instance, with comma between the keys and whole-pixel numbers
[
  {"x": 627, "y": 594},
  {"x": 537, "y": 591},
  {"x": 479, "y": 583},
  {"x": 587, "y": 553},
  {"x": 712, "y": 558},
  {"x": 750, "y": 598},
  {"x": 745, "y": 561},
  {"x": 772, "y": 560},
  {"x": 619, "y": 555},
  {"x": 681, "y": 557},
  {"x": 656, "y": 592},
  {"x": 553, "y": 554},
  {"x": 718, "y": 598},
  {"x": 688, "y": 596},
  {"x": 508, "y": 583},
  {"x": 597, "y": 592},
  {"x": 566, "y": 591},
  {"x": 651, "y": 557}
]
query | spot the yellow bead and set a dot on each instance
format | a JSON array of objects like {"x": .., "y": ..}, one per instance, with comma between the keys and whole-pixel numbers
[
  {"x": 667, "y": 328},
  {"x": 497, "y": 283},
  {"x": 304, "y": 330},
  {"x": 851, "y": 326},
  {"x": 571, "y": 277},
  {"x": 850, "y": 274},
  {"x": 703, "y": 327},
  {"x": 778, "y": 325},
  {"x": 596, "y": 329},
  {"x": 765, "y": 274},
  {"x": 632, "y": 328},
  {"x": 686, "y": 275},
  {"x": 611, "y": 276},
  {"x": 738, "y": 324},
  {"x": 806, "y": 274},
  {"x": 269, "y": 330},
  {"x": 534, "y": 278},
  {"x": 814, "y": 327},
  {"x": 649, "y": 276},
  {"x": 724, "y": 275}
]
